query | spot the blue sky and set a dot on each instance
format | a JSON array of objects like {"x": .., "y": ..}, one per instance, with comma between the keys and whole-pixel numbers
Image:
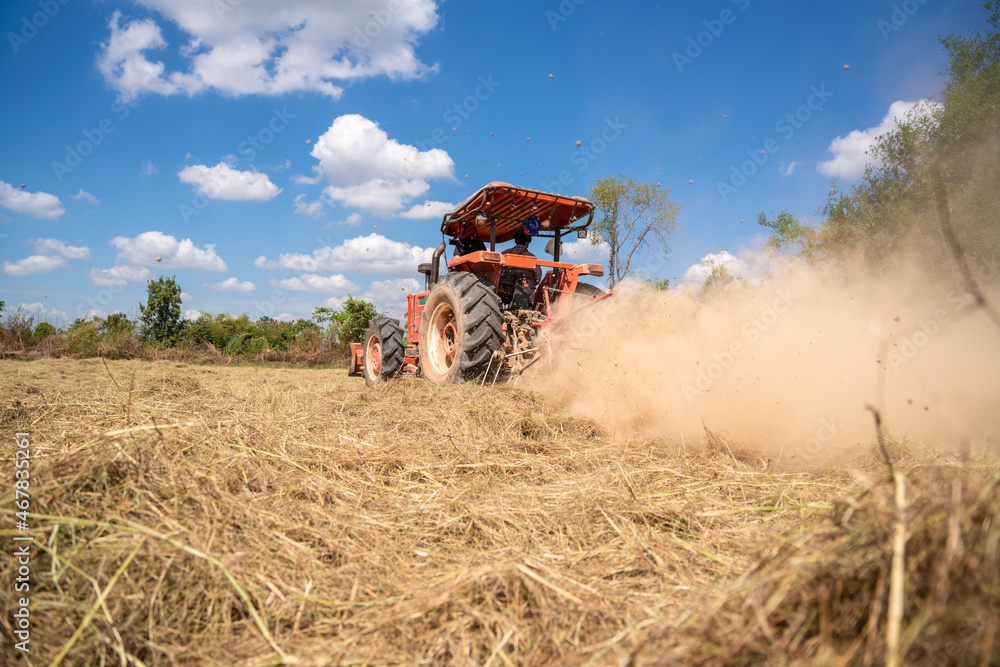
[{"x": 277, "y": 156}]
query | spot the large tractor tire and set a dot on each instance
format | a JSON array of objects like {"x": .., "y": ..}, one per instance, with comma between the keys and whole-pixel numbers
[
  {"x": 382, "y": 355},
  {"x": 460, "y": 329}
]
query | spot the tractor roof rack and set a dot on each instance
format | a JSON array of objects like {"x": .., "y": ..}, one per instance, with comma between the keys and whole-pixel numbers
[{"x": 499, "y": 209}]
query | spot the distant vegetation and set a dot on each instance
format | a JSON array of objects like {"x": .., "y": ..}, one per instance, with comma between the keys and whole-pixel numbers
[
  {"x": 944, "y": 160},
  {"x": 159, "y": 331}
]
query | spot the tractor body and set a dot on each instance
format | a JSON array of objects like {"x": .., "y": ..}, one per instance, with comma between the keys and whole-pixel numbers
[{"x": 485, "y": 316}]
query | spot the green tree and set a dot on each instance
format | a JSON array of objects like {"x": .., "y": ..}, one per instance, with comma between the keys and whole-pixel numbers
[
  {"x": 787, "y": 231},
  {"x": 956, "y": 137},
  {"x": 42, "y": 331},
  {"x": 659, "y": 284},
  {"x": 634, "y": 216},
  {"x": 348, "y": 324},
  {"x": 161, "y": 314}
]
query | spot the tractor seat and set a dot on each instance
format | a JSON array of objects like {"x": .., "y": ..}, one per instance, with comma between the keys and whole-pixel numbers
[{"x": 516, "y": 287}]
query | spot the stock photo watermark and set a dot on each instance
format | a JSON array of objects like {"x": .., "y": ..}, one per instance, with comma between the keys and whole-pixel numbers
[
  {"x": 901, "y": 13},
  {"x": 697, "y": 44},
  {"x": 587, "y": 153},
  {"x": 752, "y": 332},
  {"x": 219, "y": 180},
  {"x": 48, "y": 9},
  {"x": 561, "y": 14},
  {"x": 786, "y": 126},
  {"x": 21, "y": 617}
]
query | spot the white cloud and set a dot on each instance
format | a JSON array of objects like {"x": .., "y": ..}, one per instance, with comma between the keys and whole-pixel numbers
[
  {"x": 224, "y": 182},
  {"x": 790, "y": 169},
  {"x": 57, "y": 247},
  {"x": 34, "y": 264},
  {"x": 366, "y": 169},
  {"x": 850, "y": 153},
  {"x": 581, "y": 251},
  {"x": 231, "y": 284},
  {"x": 119, "y": 276},
  {"x": 750, "y": 266},
  {"x": 86, "y": 196},
  {"x": 287, "y": 317},
  {"x": 389, "y": 296},
  {"x": 311, "y": 282},
  {"x": 191, "y": 314},
  {"x": 36, "y": 204},
  {"x": 186, "y": 297},
  {"x": 53, "y": 316},
  {"x": 368, "y": 254},
  {"x": 259, "y": 48},
  {"x": 148, "y": 168},
  {"x": 173, "y": 254},
  {"x": 428, "y": 210},
  {"x": 313, "y": 209}
]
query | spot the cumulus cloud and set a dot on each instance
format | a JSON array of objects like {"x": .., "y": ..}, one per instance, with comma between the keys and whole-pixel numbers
[
  {"x": 750, "y": 266},
  {"x": 313, "y": 209},
  {"x": 184, "y": 254},
  {"x": 34, "y": 264},
  {"x": 50, "y": 255},
  {"x": 191, "y": 314},
  {"x": 224, "y": 182},
  {"x": 57, "y": 247},
  {"x": 257, "y": 48},
  {"x": 790, "y": 169},
  {"x": 428, "y": 210},
  {"x": 311, "y": 282},
  {"x": 231, "y": 284},
  {"x": 86, "y": 196},
  {"x": 40, "y": 205},
  {"x": 850, "y": 153},
  {"x": 119, "y": 276},
  {"x": 581, "y": 251},
  {"x": 366, "y": 169},
  {"x": 389, "y": 296},
  {"x": 53, "y": 316},
  {"x": 368, "y": 254}
]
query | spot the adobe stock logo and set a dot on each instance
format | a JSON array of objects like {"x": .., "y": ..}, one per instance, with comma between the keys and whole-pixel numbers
[
  {"x": 787, "y": 126},
  {"x": 714, "y": 28}
]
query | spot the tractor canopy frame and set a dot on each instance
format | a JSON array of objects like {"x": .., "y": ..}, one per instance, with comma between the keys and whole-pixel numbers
[{"x": 499, "y": 210}]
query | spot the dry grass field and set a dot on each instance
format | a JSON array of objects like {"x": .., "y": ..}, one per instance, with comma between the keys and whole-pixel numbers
[{"x": 189, "y": 515}]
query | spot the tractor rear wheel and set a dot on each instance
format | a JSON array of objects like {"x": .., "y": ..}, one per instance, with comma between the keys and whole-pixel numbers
[
  {"x": 382, "y": 355},
  {"x": 460, "y": 329}
]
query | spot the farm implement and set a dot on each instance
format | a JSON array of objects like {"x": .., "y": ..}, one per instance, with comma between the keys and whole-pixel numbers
[{"x": 492, "y": 314}]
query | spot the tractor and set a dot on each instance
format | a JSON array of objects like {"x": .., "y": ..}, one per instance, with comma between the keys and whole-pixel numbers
[{"x": 489, "y": 316}]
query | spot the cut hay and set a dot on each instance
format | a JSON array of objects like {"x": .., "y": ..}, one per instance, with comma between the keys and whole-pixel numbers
[{"x": 204, "y": 515}]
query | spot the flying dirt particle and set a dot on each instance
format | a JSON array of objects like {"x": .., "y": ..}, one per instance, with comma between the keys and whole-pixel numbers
[
  {"x": 375, "y": 227},
  {"x": 847, "y": 67},
  {"x": 452, "y": 129},
  {"x": 699, "y": 120},
  {"x": 158, "y": 258},
  {"x": 491, "y": 134},
  {"x": 691, "y": 181},
  {"x": 22, "y": 185},
  {"x": 578, "y": 142},
  {"x": 403, "y": 288},
  {"x": 725, "y": 116},
  {"x": 466, "y": 175},
  {"x": 529, "y": 138},
  {"x": 551, "y": 76},
  {"x": 741, "y": 221},
  {"x": 371, "y": 13},
  {"x": 308, "y": 141},
  {"x": 657, "y": 185}
]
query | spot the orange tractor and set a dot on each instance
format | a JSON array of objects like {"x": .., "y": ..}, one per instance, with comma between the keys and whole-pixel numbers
[{"x": 489, "y": 315}]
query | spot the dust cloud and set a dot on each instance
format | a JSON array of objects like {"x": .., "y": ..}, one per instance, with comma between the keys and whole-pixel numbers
[{"x": 786, "y": 367}]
